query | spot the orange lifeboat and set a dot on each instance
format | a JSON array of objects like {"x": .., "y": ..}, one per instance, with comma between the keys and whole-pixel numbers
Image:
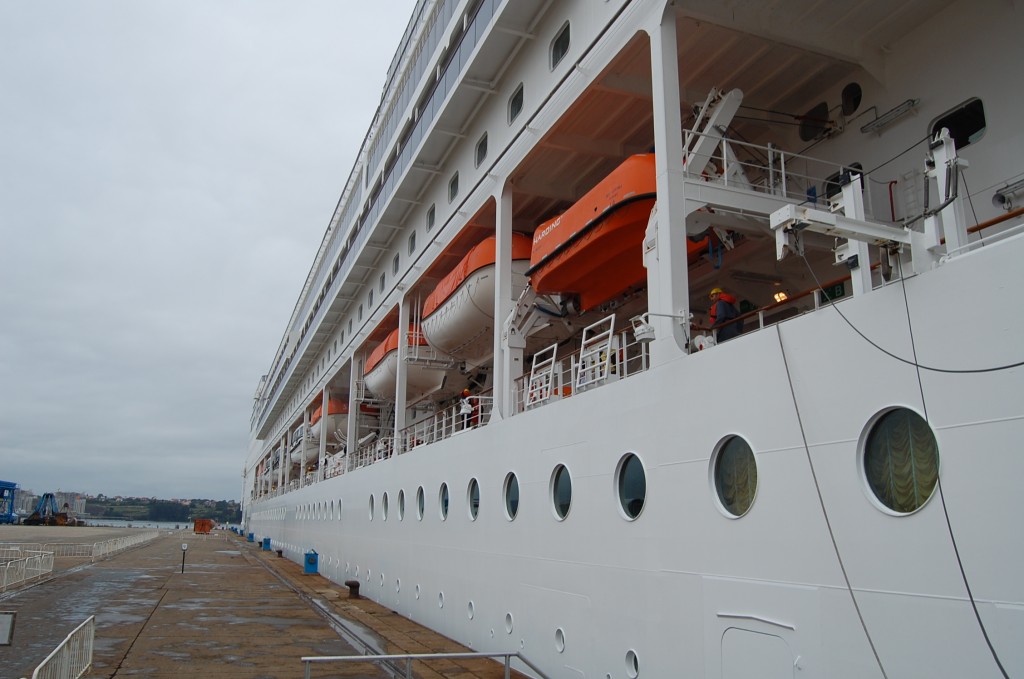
[
  {"x": 458, "y": 315},
  {"x": 594, "y": 249},
  {"x": 380, "y": 375}
]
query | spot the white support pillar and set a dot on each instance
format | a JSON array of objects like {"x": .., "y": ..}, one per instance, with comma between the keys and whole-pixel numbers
[
  {"x": 853, "y": 207},
  {"x": 355, "y": 368},
  {"x": 508, "y": 360},
  {"x": 305, "y": 443},
  {"x": 323, "y": 433},
  {"x": 282, "y": 460},
  {"x": 403, "y": 365},
  {"x": 665, "y": 252}
]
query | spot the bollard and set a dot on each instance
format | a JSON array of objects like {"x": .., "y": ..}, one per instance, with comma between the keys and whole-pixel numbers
[
  {"x": 353, "y": 588},
  {"x": 280, "y": 552}
]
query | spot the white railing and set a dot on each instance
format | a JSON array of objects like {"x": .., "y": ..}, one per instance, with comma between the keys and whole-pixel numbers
[
  {"x": 108, "y": 547},
  {"x": 33, "y": 565},
  {"x": 73, "y": 657}
]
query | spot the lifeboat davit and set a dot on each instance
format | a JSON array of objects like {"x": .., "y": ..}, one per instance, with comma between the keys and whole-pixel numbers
[
  {"x": 458, "y": 315},
  {"x": 594, "y": 249},
  {"x": 380, "y": 375}
]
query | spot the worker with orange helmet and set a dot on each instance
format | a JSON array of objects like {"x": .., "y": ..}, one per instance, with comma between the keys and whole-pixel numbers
[{"x": 721, "y": 315}]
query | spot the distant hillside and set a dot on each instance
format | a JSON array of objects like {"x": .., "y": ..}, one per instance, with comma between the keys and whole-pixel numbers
[{"x": 148, "y": 509}]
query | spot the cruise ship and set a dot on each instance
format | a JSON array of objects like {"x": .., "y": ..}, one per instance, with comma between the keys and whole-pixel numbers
[{"x": 673, "y": 339}]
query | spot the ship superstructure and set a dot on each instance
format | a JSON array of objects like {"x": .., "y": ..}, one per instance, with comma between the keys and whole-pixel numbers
[{"x": 500, "y": 403}]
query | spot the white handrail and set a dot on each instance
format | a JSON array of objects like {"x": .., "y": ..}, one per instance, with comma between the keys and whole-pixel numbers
[{"x": 73, "y": 657}]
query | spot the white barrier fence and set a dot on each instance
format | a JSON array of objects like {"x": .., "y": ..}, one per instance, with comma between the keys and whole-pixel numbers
[
  {"x": 73, "y": 657},
  {"x": 22, "y": 562},
  {"x": 30, "y": 566}
]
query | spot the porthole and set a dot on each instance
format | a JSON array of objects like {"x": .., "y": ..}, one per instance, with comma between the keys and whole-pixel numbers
[
  {"x": 632, "y": 485},
  {"x": 419, "y": 503},
  {"x": 440, "y": 599},
  {"x": 481, "y": 150},
  {"x": 901, "y": 461},
  {"x": 339, "y": 508},
  {"x": 381, "y": 579},
  {"x": 560, "y": 640},
  {"x": 735, "y": 476},
  {"x": 511, "y": 493},
  {"x": 508, "y": 623},
  {"x": 398, "y": 586},
  {"x": 560, "y": 45},
  {"x": 431, "y": 217},
  {"x": 371, "y": 508},
  {"x": 515, "y": 104},
  {"x": 470, "y": 610},
  {"x": 442, "y": 501},
  {"x": 412, "y": 243},
  {"x": 401, "y": 505},
  {"x": 453, "y": 187},
  {"x": 384, "y": 506},
  {"x": 561, "y": 491},
  {"x": 417, "y": 591},
  {"x": 473, "y": 499},
  {"x": 632, "y": 664}
]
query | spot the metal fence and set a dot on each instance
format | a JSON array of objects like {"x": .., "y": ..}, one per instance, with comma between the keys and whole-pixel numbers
[
  {"x": 31, "y": 566},
  {"x": 73, "y": 657}
]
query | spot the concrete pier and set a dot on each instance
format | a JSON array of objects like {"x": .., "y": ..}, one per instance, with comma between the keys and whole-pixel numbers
[{"x": 236, "y": 611}]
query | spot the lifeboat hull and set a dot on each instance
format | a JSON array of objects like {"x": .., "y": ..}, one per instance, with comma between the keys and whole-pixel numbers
[
  {"x": 421, "y": 381},
  {"x": 463, "y": 325},
  {"x": 594, "y": 248}
]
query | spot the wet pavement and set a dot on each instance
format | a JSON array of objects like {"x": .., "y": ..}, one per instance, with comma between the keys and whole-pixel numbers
[{"x": 236, "y": 611}]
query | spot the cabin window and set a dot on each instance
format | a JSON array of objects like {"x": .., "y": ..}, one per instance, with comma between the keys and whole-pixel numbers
[
  {"x": 735, "y": 475},
  {"x": 511, "y": 493},
  {"x": 966, "y": 123},
  {"x": 412, "y": 243},
  {"x": 341, "y": 338},
  {"x": 560, "y": 45},
  {"x": 371, "y": 508},
  {"x": 481, "y": 150},
  {"x": 473, "y": 499},
  {"x": 901, "y": 461},
  {"x": 401, "y": 505},
  {"x": 632, "y": 485},
  {"x": 359, "y": 316},
  {"x": 419, "y": 503},
  {"x": 442, "y": 501},
  {"x": 431, "y": 217},
  {"x": 561, "y": 491},
  {"x": 350, "y": 326},
  {"x": 339, "y": 509},
  {"x": 453, "y": 187},
  {"x": 369, "y": 300},
  {"x": 515, "y": 104},
  {"x": 383, "y": 277},
  {"x": 384, "y": 506},
  {"x": 394, "y": 264}
]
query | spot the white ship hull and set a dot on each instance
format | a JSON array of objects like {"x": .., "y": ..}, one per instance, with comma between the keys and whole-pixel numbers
[{"x": 823, "y": 570}]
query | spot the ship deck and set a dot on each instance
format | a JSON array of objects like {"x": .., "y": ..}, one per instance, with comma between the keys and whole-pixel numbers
[{"x": 235, "y": 610}]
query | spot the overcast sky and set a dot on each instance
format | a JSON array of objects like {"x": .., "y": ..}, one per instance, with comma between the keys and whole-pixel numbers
[{"x": 167, "y": 171}]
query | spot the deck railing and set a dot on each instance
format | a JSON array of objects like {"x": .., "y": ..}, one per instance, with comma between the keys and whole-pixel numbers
[{"x": 73, "y": 657}]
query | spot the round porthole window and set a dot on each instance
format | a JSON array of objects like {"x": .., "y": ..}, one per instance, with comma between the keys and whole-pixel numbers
[
  {"x": 511, "y": 496},
  {"x": 901, "y": 461},
  {"x": 561, "y": 491},
  {"x": 473, "y": 499},
  {"x": 384, "y": 506},
  {"x": 371, "y": 508},
  {"x": 735, "y": 476},
  {"x": 419, "y": 503},
  {"x": 442, "y": 500},
  {"x": 401, "y": 505},
  {"x": 632, "y": 485}
]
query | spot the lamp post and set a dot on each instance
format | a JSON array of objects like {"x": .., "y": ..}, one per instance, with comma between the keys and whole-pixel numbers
[{"x": 184, "y": 548}]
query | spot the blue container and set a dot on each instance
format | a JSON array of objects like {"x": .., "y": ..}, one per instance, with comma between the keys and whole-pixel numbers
[
  {"x": 266, "y": 544},
  {"x": 312, "y": 561},
  {"x": 249, "y": 538}
]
